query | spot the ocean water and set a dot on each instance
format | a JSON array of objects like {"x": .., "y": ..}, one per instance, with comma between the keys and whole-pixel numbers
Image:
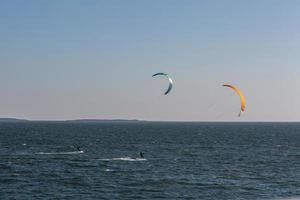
[{"x": 38, "y": 160}]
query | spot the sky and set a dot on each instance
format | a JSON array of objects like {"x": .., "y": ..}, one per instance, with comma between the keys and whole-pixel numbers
[{"x": 63, "y": 59}]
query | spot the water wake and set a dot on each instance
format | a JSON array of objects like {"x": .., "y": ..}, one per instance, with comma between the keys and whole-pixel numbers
[
  {"x": 60, "y": 153},
  {"x": 123, "y": 159}
]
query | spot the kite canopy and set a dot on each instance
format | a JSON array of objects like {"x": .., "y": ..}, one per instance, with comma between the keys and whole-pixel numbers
[
  {"x": 242, "y": 98},
  {"x": 169, "y": 78}
]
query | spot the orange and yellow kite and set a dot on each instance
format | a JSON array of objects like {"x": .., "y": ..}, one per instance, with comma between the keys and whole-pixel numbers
[{"x": 242, "y": 98}]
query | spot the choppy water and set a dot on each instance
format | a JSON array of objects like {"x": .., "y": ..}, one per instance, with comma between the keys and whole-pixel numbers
[{"x": 182, "y": 160}]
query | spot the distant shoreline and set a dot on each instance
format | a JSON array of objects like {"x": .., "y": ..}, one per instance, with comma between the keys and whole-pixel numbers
[
  {"x": 74, "y": 120},
  {"x": 14, "y": 120}
]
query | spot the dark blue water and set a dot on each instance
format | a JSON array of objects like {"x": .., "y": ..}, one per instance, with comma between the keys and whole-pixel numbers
[{"x": 38, "y": 160}]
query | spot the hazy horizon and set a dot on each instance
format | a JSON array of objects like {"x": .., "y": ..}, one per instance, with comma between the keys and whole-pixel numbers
[
  {"x": 95, "y": 59},
  {"x": 143, "y": 120}
]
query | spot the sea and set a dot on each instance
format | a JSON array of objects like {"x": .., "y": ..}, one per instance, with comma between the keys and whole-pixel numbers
[{"x": 182, "y": 160}]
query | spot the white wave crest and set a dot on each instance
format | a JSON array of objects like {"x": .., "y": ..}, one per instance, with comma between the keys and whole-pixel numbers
[
  {"x": 60, "y": 153},
  {"x": 123, "y": 159}
]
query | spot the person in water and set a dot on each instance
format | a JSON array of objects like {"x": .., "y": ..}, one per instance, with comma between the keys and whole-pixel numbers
[{"x": 141, "y": 154}]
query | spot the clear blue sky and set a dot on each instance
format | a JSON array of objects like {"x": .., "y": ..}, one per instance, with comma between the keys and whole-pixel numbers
[{"x": 64, "y": 59}]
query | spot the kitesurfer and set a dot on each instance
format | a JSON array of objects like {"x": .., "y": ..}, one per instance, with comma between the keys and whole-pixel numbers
[{"x": 141, "y": 154}]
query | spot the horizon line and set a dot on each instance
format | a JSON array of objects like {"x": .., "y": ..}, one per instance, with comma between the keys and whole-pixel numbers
[{"x": 11, "y": 119}]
